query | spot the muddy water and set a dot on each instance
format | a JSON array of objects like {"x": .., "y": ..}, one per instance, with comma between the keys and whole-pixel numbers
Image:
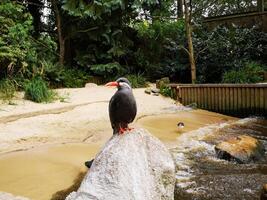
[
  {"x": 40, "y": 172},
  {"x": 164, "y": 126}
]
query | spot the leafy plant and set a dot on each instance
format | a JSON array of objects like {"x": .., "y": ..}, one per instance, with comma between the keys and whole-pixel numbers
[
  {"x": 250, "y": 73},
  {"x": 7, "y": 90},
  {"x": 137, "y": 80},
  {"x": 224, "y": 49},
  {"x": 108, "y": 71},
  {"x": 37, "y": 90},
  {"x": 74, "y": 78},
  {"x": 166, "y": 91}
]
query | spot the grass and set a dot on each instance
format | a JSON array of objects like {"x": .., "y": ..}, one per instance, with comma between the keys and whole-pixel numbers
[
  {"x": 37, "y": 90},
  {"x": 7, "y": 90}
]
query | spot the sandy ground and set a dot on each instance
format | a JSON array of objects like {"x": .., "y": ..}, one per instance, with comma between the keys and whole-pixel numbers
[
  {"x": 60, "y": 136},
  {"x": 82, "y": 117}
]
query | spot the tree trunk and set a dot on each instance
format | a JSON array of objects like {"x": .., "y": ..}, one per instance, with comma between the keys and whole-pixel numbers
[
  {"x": 179, "y": 9},
  {"x": 61, "y": 39},
  {"x": 260, "y": 5},
  {"x": 190, "y": 42}
]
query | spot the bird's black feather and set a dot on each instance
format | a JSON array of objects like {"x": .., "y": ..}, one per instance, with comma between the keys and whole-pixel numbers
[{"x": 122, "y": 108}]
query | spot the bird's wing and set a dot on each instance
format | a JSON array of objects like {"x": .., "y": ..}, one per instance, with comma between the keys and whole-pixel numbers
[{"x": 122, "y": 108}]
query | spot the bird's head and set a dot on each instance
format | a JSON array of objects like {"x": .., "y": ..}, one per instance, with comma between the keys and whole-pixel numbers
[{"x": 120, "y": 83}]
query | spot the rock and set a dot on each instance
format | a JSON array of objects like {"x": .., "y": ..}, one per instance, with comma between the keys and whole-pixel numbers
[
  {"x": 155, "y": 94},
  {"x": 90, "y": 85},
  {"x": 147, "y": 90},
  {"x": 264, "y": 193},
  {"x": 161, "y": 82},
  {"x": 8, "y": 196},
  {"x": 242, "y": 149},
  {"x": 155, "y": 90},
  {"x": 132, "y": 166}
]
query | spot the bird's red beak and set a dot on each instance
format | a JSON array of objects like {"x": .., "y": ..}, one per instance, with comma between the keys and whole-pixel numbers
[{"x": 112, "y": 84}]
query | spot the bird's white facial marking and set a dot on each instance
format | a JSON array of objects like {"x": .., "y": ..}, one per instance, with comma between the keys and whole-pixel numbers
[{"x": 123, "y": 84}]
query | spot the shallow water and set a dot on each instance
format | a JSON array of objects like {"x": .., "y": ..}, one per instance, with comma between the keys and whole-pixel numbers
[
  {"x": 200, "y": 175},
  {"x": 164, "y": 126},
  {"x": 40, "y": 172}
]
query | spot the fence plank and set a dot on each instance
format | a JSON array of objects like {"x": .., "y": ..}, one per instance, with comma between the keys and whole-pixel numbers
[{"x": 244, "y": 99}]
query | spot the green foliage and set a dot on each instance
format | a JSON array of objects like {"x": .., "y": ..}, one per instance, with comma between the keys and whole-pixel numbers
[
  {"x": 137, "y": 80},
  {"x": 37, "y": 90},
  {"x": 59, "y": 76},
  {"x": 250, "y": 73},
  {"x": 20, "y": 52},
  {"x": 159, "y": 52},
  {"x": 7, "y": 90},
  {"x": 74, "y": 78},
  {"x": 166, "y": 91},
  {"x": 110, "y": 70},
  {"x": 15, "y": 46},
  {"x": 223, "y": 49}
]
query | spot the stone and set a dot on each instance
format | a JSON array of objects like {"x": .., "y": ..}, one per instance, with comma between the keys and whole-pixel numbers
[
  {"x": 264, "y": 192},
  {"x": 148, "y": 91},
  {"x": 243, "y": 149},
  {"x": 132, "y": 166},
  {"x": 8, "y": 196},
  {"x": 155, "y": 90},
  {"x": 162, "y": 82},
  {"x": 90, "y": 85}
]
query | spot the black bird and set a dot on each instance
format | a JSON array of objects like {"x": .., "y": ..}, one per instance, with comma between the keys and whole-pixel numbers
[{"x": 122, "y": 106}]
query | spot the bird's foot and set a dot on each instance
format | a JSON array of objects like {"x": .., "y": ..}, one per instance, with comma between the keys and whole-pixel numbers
[
  {"x": 129, "y": 129},
  {"x": 122, "y": 130}
]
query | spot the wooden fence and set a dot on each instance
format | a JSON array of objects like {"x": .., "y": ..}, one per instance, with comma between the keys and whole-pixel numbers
[{"x": 234, "y": 99}]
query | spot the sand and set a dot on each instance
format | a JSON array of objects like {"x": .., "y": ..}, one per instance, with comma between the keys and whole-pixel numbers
[
  {"x": 43, "y": 147},
  {"x": 83, "y": 117}
]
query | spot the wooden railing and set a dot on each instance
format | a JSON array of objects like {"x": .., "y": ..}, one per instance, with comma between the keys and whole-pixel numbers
[{"x": 234, "y": 99}]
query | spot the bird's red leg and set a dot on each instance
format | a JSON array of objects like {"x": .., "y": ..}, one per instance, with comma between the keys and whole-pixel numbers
[
  {"x": 129, "y": 129},
  {"x": 121, "y": 130}
]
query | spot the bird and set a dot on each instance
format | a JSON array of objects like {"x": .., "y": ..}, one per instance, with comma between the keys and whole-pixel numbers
[
  {"x": 180, "y": 125},
  {"x": 122, "y": 106}
]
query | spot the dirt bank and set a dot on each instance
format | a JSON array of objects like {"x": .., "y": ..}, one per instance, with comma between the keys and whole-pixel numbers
[{"x": 82, "y": 117}]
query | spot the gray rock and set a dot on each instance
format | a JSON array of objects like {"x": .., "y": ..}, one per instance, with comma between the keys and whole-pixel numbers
[
  {"x": 243, "y": 149},
  {"x": 155, "y": 90},
  {"x": 132, "y": 166},
  {"x": 8, "y": 196},
  {"x": 162, "y": 82},
  {"x": 147, "y": 90}
]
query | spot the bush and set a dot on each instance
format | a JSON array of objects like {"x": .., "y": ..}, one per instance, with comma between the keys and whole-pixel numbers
[
  {"x": 108, "y": 71},
  {"x": 158, "y": 52},
  {"x": 166, "y": 91},
  {"x": 137, "y": 81},
  {"x": 36, "y": 90},
  {"x": 250, "y": 73},
  {"x": 7, "y": 90},
  {"x": 74, "y": 78},
  {"x": 59, "y": 76},
  {"x": 223, "y": 49}
]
